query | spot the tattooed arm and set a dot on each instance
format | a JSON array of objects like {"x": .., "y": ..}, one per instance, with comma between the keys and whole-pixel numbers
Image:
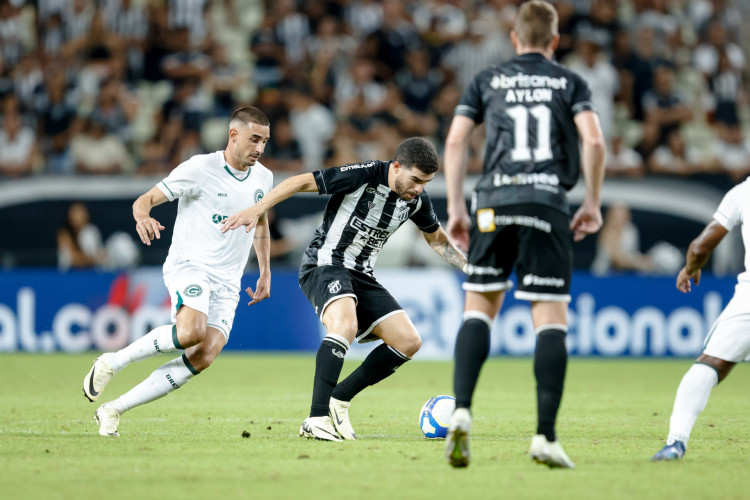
[{"x": 445, "y": 248}]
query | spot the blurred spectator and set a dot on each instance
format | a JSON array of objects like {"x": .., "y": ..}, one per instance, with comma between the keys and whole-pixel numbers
[
  {"x": 17, "y": 147},
  {"x": 396, "y": 36},
  {"x": 703, "y": 12},
  {"x": 292, "y": 30},
  {"x": 706, "y": 56},
  {"x": 79, "y": 243},
  {"x": 732, "y": 152},
  {"x": 440, "y": 23},
  {"x": 115, "y": 109},
  {"x": 186, "y": 62},
  {"x": 725, "y": 86},
  {"x": 623, "y": 161},
  {"x": 418, "y": 82},
  {"x": 602, "y": 79},
  {"x": 663, "y": 106},
  {"x": 129, "y": 20},
  {"x": 94, "y": 151},
  {"x": 480, "y": 49},
  {"x": 224, "y": 80},
  {"x": 599, "y": 25},
  {"x": 313, "y": 125},
  {"x": 641, "y": 64},
  {"x": 189, "y": 15},
  {"x": 359, "y": 88},
  {"x": 657, "y": 17},
  {"x": 676, "y": 157},
  {"x": 283, "y": 153},
  {"x": 13, "y": 36},
  {"x": 618, "y": 244},
  {"x": 364, "y": 16},
  {"x": 269, "y": 55}
]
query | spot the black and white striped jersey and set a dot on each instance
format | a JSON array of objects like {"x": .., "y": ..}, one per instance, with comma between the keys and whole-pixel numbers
[{"x": 361, "y": 215}]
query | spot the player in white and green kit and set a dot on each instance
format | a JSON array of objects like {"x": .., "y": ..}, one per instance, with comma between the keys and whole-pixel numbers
[{"x": 203, "y": 269}]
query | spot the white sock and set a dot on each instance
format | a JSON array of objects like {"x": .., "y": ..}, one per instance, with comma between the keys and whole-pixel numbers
[
  {"x": 159, "y": 340},
  {"x": 161, "y": 382},
  {"x": 691, "y": 399}
]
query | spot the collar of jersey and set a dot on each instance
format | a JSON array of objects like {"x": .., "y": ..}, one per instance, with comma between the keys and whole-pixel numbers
[{"x": 249, "y": 169}]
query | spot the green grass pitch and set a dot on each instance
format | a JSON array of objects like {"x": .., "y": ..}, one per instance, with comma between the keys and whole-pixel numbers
[{"x": 189, "y": 445}]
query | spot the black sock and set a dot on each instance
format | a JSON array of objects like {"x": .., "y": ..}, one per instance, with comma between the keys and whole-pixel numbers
[
  {"x": 472, "y": 349},
  {"x": 328, "y": 364},
  {"x": 381, "y": 363},
  {"x": 550, "y": 361}
]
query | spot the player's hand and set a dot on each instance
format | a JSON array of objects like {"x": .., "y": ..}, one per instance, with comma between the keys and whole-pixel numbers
[
  {"x": 458, "y": 230},
  {"x": 683, "y": 280},
  {"x": 587, "y": 220},
  {"x": 248, "y": 218},
  {"x": 148, "y": 229},
  {"x": 262, "y": 290}
]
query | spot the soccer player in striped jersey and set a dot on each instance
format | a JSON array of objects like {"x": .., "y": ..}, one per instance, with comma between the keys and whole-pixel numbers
[{"x": 369, "y": 202}]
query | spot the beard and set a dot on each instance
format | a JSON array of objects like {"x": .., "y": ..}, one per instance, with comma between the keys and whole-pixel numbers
[{"x": 402, "y": 192}]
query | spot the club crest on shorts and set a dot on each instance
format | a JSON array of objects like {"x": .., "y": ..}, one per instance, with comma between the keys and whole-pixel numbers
[
  {"x": 486, "y": 220},
  {"x": 193, "y": 290},
  {"x": 334, "y": 287},
  {"x": 258, "y": 195}
]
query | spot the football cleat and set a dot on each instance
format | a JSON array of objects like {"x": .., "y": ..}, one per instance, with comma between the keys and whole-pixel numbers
[
  {"x": 97, "y": 379},
  {"x": 549, "y": 453},
  {"x": 457, "y": 440},
  {"x": 108, "y": 420},
  {"x": 339, "y": 412},
  {"x": 674, "y": 451},
  {"x": 319, "y": 428}
]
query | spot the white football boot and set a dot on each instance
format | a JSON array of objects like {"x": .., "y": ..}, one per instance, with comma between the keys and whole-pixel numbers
[
  {"x": 97, "y": 379},
  {"x": 457, "y": 440},
  {"x": 339, "y": 412},
  {"x": 108, "y": 420},
  {"x": 320, "y": 428},
  {"x": 549, "y": 453}
]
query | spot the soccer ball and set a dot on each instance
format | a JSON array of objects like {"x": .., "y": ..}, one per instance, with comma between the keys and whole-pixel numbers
[{"x": 435, "y": 416}]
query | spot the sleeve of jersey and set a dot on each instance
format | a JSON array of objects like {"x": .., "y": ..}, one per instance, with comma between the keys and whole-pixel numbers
[
  {"x": 425, "y": 217},
  {"x": 181, "y": 181},
  {"x": 581, "y": 99},
  {"x": 470, "y": 104},
  {"x": 728, "y": 213},
  {"x": 345, "y": 179}
]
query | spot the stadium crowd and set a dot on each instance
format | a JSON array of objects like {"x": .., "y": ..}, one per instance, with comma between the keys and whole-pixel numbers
[{"x": 133, "y": 87}]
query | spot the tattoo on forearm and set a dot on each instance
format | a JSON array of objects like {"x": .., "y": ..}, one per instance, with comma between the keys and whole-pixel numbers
[{"x": 450, "y": 254}]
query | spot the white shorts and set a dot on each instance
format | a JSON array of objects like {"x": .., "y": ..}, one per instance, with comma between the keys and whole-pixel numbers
[
  {"x": 192, "y": 287},
  {"x": 729, "y": 338}
]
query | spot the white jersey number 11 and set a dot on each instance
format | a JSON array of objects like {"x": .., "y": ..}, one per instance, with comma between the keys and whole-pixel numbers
[{"x": 520, "y": 115}]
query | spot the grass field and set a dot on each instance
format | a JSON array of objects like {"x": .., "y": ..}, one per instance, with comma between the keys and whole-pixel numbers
[{"x": 189, "y": 445}]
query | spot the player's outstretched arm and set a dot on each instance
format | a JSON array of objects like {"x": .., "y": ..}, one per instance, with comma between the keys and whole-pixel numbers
[
  {"x": 444, "y": 247},
  {"x": 262, "y": 245},
  {"x": 588, "y": 219},
  {"x": 303, "y": 183},
  {"x": 454, "y": 164},
  {"x": 147, "y": 227},
  {"x": 698, "y": 253}
]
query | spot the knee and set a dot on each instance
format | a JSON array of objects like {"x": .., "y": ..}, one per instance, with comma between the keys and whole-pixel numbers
[
  {"x": 191, "y": 333},
  {"x": 201, "y": 357},
  {"x": 409, "y": 344},
  {"x": 345, "y": 328}
]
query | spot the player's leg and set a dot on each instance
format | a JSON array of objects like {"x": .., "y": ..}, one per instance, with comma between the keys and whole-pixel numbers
[
  {"x": 493, "y": 249},
  {"x": 471, "y": 351},
  {"x": 691, "y": 399},
  {"x": 550, "y": 366},
  {"x": 340, "y": 320},
  {"x": 544, "y": 270},
  {"x": 187, "y": 290},
  {"x": 726, "y": 344},
  {"x": 401, "y": 341},
  {"x": 166, "y": 378}
]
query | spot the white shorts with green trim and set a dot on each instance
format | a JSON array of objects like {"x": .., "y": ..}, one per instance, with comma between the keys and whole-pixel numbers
[
  {"x": 192, "y": 287},
  {"x": 729, "y": 338}
]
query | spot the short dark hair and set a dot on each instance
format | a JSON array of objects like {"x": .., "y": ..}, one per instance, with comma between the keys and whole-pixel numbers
[
  {"x": 417, "y": 152},
  {"x": 249, "y": 114},
  {"x": 536, "y": 24}
]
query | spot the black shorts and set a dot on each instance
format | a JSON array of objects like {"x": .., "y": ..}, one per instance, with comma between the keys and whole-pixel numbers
[
  {"x": 324, "y": 284},
  {"x": 532, "y": 238}
]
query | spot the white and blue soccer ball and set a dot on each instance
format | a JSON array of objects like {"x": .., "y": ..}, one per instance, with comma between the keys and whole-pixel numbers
[{"x": 435, "y": 416}]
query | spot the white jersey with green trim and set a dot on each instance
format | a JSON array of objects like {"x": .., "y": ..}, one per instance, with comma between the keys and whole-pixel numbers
[
  {"x": 734, "y": 210},
  {"x": 209, "y": 191}
]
